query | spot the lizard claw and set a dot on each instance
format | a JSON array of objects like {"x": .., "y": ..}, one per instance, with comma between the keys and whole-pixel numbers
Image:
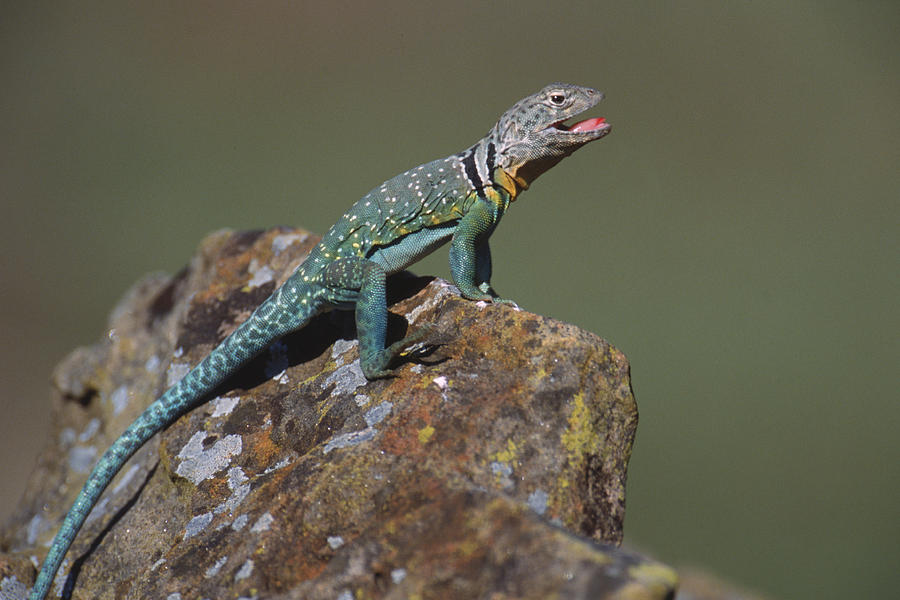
[
  {"x": 374, "y": 366},
  {"x": 506, "y": 301}
]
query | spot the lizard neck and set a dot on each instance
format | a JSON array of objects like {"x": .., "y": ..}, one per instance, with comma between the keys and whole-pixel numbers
[
  {"x": 480, "y": 164},
  {"x": 509, "y": 182}
]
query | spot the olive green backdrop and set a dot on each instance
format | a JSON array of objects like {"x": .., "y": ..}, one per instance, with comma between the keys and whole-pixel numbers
[{"x": 736, "y": 235}]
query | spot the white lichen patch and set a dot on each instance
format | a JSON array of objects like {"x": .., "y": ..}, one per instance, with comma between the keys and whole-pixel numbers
[
  {"x": 176, "y": 373},
  {"x": 245, "y": 571},
  {"x": 82, "y": 458},
  {"x": 499, "y": 468},
  {"x": 502, "y": 471},
  {"x": 98, "y": 511},
  {"x": 261, "y": 274},
  {"x": 197, "y": 524},
  {"x": 537, "y": 501},
  {"x": 61, "y": 576},
  {"x": 119, "y": 399},
  {"x": 335, "y": 541},
  {"x": 12, "y": 589},
  {"x": 240, "y": 522},
  {"x": 281, "y": 242},
  {"x": 280, "y": 464},
  {"x": 376, "y": 415},
  {"x": 90, "y": 430},
  {"x": 349, "y": 439},
  {"x": 67, "y": 436},
  {"x": 214, "y": 570},
  {"x": 398, "y": 575},
  {"x": 340, "y": 348},
  {"x": 346, "y": 379},
  {"x": 217, "y": 566},
  {"x": 152, "y": 364},
  {"x": 224, "y": 405},
  {"x": 34, "y": 528},
  {"x": 198, "y": 464},
  {"x": 126, "y": 477},
  {"x": 238, "y": 483},
  {"x": 263, "y": 523},
  {"x": 443, "y": 292}
]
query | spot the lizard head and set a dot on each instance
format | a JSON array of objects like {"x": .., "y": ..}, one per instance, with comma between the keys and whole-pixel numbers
[{"x": 532, "y": 136}]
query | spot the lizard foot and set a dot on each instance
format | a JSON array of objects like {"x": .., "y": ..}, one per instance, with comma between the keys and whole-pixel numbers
[
  {"x": 375, "y": 365},
  {"x": 505, "y": 301}
]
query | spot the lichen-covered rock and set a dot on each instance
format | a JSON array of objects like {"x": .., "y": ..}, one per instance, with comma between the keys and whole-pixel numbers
[{"x": 493, "y": 467}]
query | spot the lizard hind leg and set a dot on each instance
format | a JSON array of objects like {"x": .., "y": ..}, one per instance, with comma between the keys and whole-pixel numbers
[{"x": 363, "y": 282}]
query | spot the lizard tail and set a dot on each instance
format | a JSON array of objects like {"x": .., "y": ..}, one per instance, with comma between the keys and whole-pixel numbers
[
  {"x": 107, "y": 467},
  {"x": 272, "y": 319}
]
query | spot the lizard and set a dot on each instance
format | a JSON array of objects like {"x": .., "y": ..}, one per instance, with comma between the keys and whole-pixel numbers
[{"x": 457, "y": 200}]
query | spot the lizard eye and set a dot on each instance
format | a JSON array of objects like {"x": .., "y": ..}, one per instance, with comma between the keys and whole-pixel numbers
[{"x": 557, "y": 99}]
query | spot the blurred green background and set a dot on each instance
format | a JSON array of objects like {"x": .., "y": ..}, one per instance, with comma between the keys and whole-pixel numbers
[{"x": 736, "y": 236}]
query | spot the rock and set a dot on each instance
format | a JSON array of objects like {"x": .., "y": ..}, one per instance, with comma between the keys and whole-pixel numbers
[{"x": 492, "y": 467}]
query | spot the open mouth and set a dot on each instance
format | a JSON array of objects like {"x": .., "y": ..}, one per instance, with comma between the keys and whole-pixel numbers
[{"x": 586, "y": 126}]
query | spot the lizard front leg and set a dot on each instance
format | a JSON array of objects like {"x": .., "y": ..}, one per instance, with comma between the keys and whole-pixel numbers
[
  {"x": 470, "y": 253},
  {"x": 362, "y": 282},
  {"x": 483, "y": 268}
]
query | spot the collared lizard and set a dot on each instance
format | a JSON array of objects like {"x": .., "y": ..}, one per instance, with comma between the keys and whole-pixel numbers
[{"x": 459, "y": 199}]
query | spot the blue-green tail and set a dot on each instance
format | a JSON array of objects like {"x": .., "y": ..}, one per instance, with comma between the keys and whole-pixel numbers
[{"x": 275, "y": 317}]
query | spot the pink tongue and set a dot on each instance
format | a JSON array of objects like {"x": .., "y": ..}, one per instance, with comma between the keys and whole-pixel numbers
[{"x": 588, "y": 124}]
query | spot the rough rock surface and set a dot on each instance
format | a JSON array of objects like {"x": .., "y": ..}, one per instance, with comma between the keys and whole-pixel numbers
[{"x": 493, "y": 467}]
